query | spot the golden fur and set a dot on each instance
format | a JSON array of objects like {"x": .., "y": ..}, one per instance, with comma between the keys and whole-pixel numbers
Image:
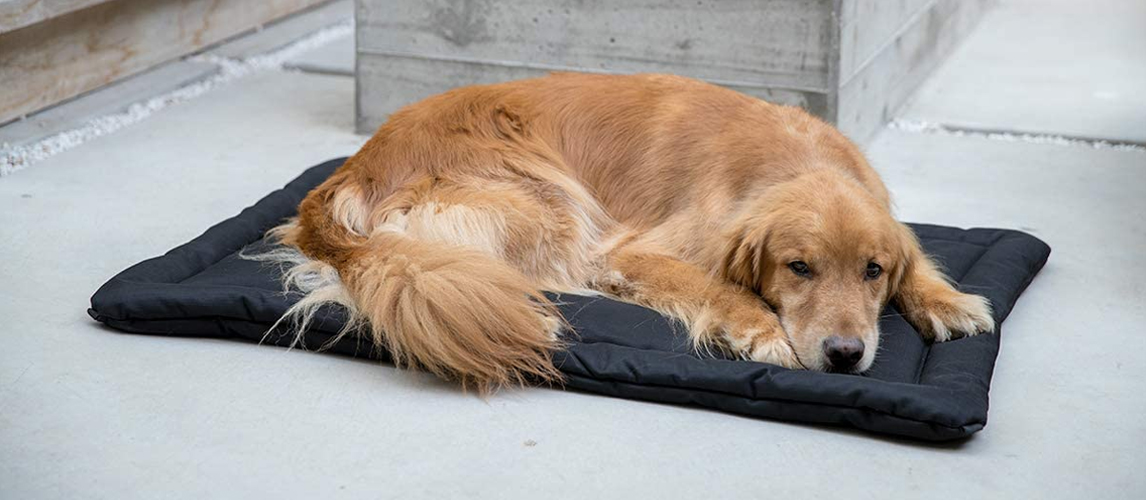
[{"x": 671, "y": 193}]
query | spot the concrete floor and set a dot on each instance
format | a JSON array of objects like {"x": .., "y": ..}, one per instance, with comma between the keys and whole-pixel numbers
[{"x": 86, "y": 412}]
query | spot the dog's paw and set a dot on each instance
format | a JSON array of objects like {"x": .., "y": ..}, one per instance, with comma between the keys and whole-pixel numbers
[
  {"x": 774, "y": 349},
  {"x": 953, "y": 315}
]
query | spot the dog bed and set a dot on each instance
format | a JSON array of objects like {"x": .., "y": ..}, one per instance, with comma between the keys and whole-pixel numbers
[{"x": 926, "y": 391}]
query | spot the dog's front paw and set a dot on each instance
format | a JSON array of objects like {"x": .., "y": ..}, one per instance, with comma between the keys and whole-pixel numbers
[
  {"x": 952, "y": 315},
  {"x": 774, "y": 349}
]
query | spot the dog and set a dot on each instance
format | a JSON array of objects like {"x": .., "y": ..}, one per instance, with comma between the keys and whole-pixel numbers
[{"x": 759, "y": 227}]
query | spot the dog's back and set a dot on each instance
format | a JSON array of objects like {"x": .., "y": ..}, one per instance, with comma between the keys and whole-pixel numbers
[{"x": 670, "y": 138}]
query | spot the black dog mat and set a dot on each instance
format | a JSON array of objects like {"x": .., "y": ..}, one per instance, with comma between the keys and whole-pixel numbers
[{"x": 932, "y": 392}]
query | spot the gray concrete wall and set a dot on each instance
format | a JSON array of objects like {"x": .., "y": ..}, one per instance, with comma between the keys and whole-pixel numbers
[
  {"x": 411, "y": 49},
  {"x": 830, "y": 57},
  {"x": 887, "y": 50}
]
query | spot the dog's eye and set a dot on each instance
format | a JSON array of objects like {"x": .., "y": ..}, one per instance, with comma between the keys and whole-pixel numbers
[
  {"x": 873, "y": 271},
  {"x": 800, "y": 268}
]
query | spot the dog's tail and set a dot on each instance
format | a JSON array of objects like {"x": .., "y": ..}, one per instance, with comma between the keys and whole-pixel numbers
[{"x": 454, "y": 311}]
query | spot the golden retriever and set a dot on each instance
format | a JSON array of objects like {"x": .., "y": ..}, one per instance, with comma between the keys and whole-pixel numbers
[{"x": 760, "y": 227}]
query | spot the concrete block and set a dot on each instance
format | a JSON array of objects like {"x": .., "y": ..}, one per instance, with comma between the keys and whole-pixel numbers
[
  {"x": 797, "y": 52},
  {"x": 883, "y": 82}
]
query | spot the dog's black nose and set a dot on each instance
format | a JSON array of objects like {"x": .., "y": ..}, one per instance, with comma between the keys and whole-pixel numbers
[{"x": 843, "y": 353}]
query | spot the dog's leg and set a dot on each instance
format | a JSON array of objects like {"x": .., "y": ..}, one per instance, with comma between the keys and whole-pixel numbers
[
  {"x": 715, "y": 311},
  {"x": 930, "y": 303}
]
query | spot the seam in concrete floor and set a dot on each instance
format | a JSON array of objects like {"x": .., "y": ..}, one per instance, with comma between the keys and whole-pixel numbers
[
  {"x": 20, "y": 157},
  {"x": 925, "y": 127}
]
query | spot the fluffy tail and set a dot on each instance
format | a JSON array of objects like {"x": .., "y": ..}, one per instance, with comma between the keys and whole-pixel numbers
[{"x": 455, "y": 312}]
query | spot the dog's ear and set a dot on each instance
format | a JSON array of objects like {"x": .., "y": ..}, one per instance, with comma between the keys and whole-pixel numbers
[
  {"x": 744, "y": 258},
  {"x": 909, "y": 256},
  {"x": 902, "y": 238}
]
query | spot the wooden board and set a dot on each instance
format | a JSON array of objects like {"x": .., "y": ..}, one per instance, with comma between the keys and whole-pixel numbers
[
  {"x": 114, "y": 98},
  {"x": 288, "y": 30},
  {"x": 60, "y": 58},
  {"x": 16, "y": 14}
]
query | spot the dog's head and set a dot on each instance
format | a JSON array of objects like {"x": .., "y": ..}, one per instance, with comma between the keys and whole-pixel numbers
[{"x": 827, "y": 255}]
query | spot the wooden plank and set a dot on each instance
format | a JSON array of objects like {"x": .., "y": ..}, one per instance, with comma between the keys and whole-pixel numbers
[
  {"x": 16, "y": 14},
  {"x": 780, "y": 43},
  {"x": 281, "y": 33},
  {"x": 386, "y": 83},
  {"x": 113, "y": 98},
  {"x": 55, "y": 60},
  {"x": 871, "y": 97}
]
